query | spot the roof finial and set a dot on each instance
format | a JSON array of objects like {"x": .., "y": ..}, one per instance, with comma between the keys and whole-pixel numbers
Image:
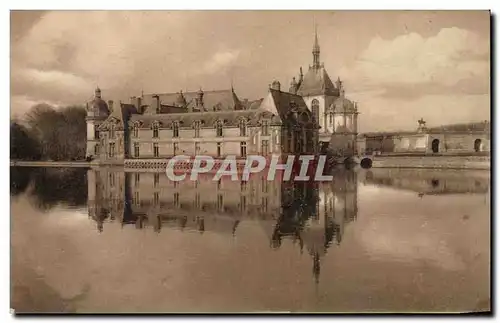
[{"x": 316, "y": 50}]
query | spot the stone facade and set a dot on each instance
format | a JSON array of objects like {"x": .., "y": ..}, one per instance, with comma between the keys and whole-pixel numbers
[
  {"x": 280, "y": 124},
  {"x": 471, "y": 138}
]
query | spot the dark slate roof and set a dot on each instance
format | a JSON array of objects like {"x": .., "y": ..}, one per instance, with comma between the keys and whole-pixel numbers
[
  {"x": 98, "y": 106},
  {"x": 317, "y": 82},
  {"x": 342, "y": 104},
  {"x": 284, "y": 100},
  {"x": 231, "y": 118},
  {"x": 122, "y": 114},
  {"x": 254, "y": 104},
  {"x": 220, "y": 99}
]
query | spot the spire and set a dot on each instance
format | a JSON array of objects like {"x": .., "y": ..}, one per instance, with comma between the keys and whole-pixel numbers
[{"x": 316, "y": 50}]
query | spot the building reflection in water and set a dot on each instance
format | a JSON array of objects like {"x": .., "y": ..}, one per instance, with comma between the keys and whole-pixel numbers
[
  {"x": 430, "y": 181},
  {"x": 312, "y": 215}
]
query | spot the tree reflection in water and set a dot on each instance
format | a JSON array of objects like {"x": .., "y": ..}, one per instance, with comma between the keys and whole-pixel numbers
[{"x": 48, "y": 187}]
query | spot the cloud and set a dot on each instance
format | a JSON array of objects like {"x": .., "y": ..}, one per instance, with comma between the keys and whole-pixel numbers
[
  {"x": 412, "y": 59},
  {"x": 221, "y": 61},
  {"x": 444, "y": 78},
  {"x": 451, "y": 57},
  {"x": 382, "y": 113}
]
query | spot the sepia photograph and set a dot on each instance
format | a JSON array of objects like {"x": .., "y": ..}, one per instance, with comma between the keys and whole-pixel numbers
[{"x": 250, "y": 161}]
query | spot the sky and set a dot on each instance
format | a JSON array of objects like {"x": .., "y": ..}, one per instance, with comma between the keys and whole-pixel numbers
[{"x": 399, "y": 66}]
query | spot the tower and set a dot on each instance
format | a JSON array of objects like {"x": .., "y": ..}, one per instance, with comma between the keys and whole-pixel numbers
[{"x": 97, "y": 112}]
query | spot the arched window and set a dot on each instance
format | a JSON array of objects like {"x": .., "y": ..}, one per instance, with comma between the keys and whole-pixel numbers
[{"x": 315, "y": 109}]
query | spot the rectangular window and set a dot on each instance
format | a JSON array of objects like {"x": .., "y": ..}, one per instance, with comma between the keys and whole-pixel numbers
[
  {"x": 96, "y": 150},
  {"x": 243, "y": 149},
  {"x": 265, "y": 147},
  {"x": 156, "y": 198},
  {"x": 176, "y": 148},
  {"x": 156, "y": 130},
  {"x": 136, "y": 131},
  {"x": 112, "y": 132},
  {"x": 196, "y": 148},
  {"x": 96, "y": 133},
  {"x": 219, "y": 184},
  {"x": 136, "y": 149},
  {"x": 156, "y": 179},
  {"x": 197, "y": 125},
  {"x": 219, "y": 149},
  {"x": 136, "y": 198},
  {"x": 156, "y": 150},
  {"x": 137, "y": 178},
  {"x": 111, "y": 179}
]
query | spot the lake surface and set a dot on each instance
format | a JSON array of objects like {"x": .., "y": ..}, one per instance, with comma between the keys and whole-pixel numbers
[{"x": 379, "y": 240}]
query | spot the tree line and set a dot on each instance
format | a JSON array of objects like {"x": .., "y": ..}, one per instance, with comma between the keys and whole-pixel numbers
[{"x": 49, "y": 134}]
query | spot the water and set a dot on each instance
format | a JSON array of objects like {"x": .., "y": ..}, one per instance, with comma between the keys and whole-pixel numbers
[{"x": 382, "y": 240}]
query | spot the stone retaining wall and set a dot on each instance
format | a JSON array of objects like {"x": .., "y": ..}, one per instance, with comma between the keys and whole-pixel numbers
[{"x": 443, "y": 162}]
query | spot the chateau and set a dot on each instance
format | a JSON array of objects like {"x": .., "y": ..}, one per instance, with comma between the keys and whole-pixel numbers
[{"x": 313, "y": 115}]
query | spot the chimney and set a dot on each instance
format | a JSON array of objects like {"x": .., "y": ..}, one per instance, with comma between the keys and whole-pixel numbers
[
  {"x": 157, "y": 103},
  {"x": 139, "y": 103},
  {"x": 110, "y": 105}
]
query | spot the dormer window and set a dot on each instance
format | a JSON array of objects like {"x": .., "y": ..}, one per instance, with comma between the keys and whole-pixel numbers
[
  {"x": 265, "y": 127},
  {"x": 175, "y": 129},
  {"x": 136, "y": 131},
  {"x": 243, "y": 128},
  {"x": 156, "y": 129},
  {"x": 218, "y": 128}
]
